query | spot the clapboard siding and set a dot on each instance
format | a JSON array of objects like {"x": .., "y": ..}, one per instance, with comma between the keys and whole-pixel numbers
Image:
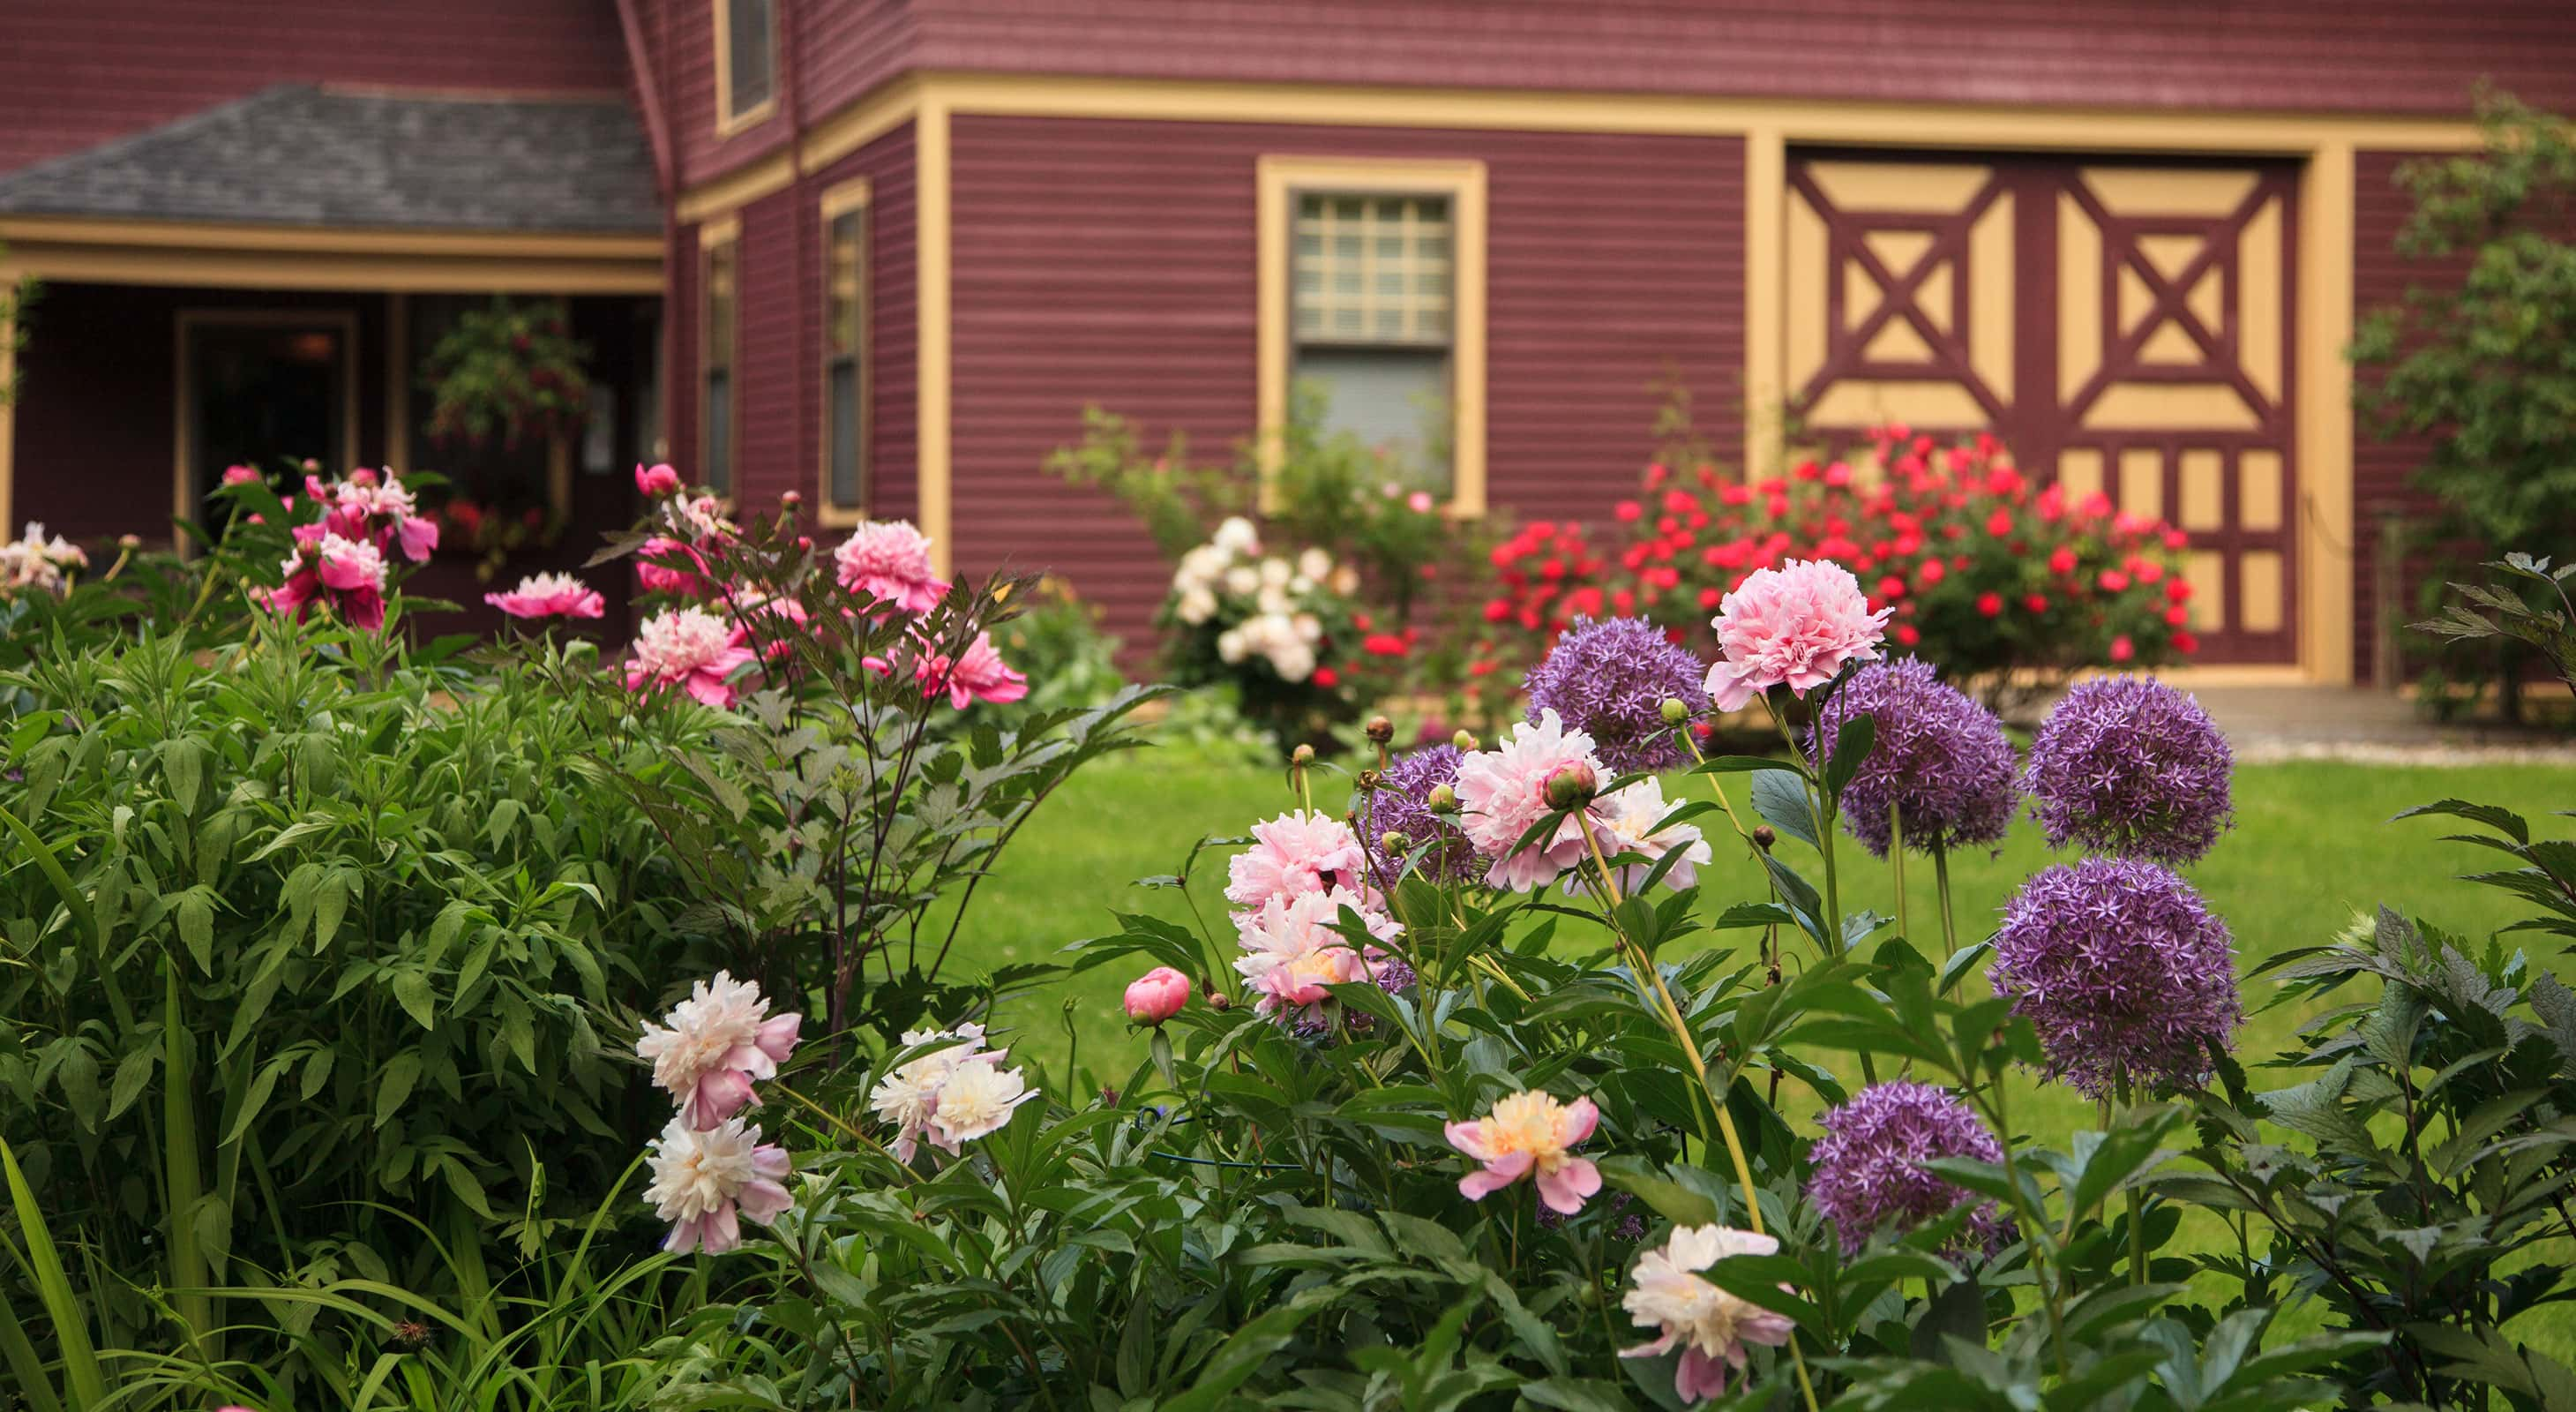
[
  {"x": 2315, "y": 55},
  {"x": 769, "y": 360},
  {"x": 1112, "y": 262},
  {"x": 75, "y": 73}
]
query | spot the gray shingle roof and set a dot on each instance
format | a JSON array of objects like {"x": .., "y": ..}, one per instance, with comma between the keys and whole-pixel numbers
[{"x": 307, "y": 156}]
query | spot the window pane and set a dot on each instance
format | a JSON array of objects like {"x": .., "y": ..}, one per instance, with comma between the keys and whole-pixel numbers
[
  {"x": 719, "y": 330},
  {"x": 1372, "y": 270},
  {"x": 848, "y": 270},
  {"x": 751, "y": 51},
  {"x": 720, "y": 430},
  {"x": 1396, "y": 399},
  {"x": 841, "y": 413}
]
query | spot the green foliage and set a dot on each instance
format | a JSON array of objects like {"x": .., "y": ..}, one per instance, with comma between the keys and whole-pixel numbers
[
  {"x": 2549, "y": 628},
  {"x": 510, "y": 371},
  {"x": 1056, "y": 642},
  {"x": 1177, "y": 501}
]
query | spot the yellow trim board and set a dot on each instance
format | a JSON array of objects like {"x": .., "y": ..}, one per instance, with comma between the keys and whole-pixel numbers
[
  {"x": 735, "y": 189},
  {"x": 2326, "y": 529},
  {"x": 931, "y": 341},
  {"x": 333, "y": 240},
  {"x": 1277, "y": 180},
  {"x": 838, "y": 200}
]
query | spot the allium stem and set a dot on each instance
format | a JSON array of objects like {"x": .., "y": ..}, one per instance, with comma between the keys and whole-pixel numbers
[
  {"x": 1896, "y": 860},
  {"x": 1941, "y": 883},
  {"x": 2137, "y": 1206}
]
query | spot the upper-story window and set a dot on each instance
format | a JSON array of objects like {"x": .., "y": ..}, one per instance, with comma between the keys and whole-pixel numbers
[
  {"x": 719, "y": 400},
  {"x": 746, "y": 62},
  {"x": 845, "y": 351}
]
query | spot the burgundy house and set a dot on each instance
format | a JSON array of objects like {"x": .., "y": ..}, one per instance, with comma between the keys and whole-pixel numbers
[{"x": 882, "y": 252}]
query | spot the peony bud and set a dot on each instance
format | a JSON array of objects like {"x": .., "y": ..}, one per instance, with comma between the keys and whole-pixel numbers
[
  {"x": 1380, "y": 729},
  {"x": 1572, "y": 786},
  {"x": 1219, "y": 1000},
  {"x": 129, "y": 541},
  {"x": 1302, "y": 756},
  {"x": 1393, "y": 842},
  {"x": 1464, "y": 740},
  {"x": 1370, "y": 781},
  {"x": 1157, "y": 996},
  {"x": 1676, "y": 711},
  {"x": 656, "y": 481},
  {"x": 1442, "y": 800},
  {"x": 1763, "y": 837},
  {"x": 790, "y": 499}
]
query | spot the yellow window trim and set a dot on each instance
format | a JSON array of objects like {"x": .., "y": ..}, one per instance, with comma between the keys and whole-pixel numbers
[
  {"x": 837, "y": 201},
  {"x": 713, "y": 236},
  {"x": 729, "y": 122},
  {"x": 183, "y": 449},
  {"x": 1278, "y": 180}
]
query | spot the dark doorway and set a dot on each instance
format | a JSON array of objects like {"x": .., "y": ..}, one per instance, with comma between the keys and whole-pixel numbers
[{"x": 259, "y": 388}]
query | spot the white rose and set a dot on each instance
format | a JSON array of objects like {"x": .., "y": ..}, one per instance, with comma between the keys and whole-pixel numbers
[
  {"x": 1242, "y": 578},
  {"x": 1275, "y": 601},
  {"x": 1309, "y": 628},
  {"x": 1230, "y": 646},
  {"x": 1197, "y": 605},
  {"x": 1315, "y": 563},
  {"x": 1237, "y": 536},
  {"x": 1293, "y": 661},
  {"x": 1346, "y": 581}
]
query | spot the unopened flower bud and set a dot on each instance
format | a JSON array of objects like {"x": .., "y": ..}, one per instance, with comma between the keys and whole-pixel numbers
[
  {"x": 1219, "y": 1000},
  {"x": 1157, "y": 996},
  {"x": 1763, "y": 837},
  {"x": 1370, "y": 781},
  {"x": 1108, "y": 1097},
  {"x": 1572, "y": 786},
  {"x": 1393, "y": 842},
  {"x": 791, "y": 499},
  {"x": 1380, "y": 729},
  {"x": 1464, "y": 740},
  {"x": 1302, "y": 756},
  {"x": 129, "y": 541},
  {"x": 1676, "y": 711},
  {"x": 1443, "y": 800}
]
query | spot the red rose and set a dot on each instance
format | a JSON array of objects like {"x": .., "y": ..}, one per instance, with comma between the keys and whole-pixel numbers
[
  {"x": 2062, "y": 562},
  {"x": 2122, "y": 649},
  {"x": 2177, "y": 615},
  {"x": 2113, "y": 581},
  {"x": 2179, "y": 590},
  {"x": 1327, "y": 678},
  {"x": 2037, "y": 602},
  {"x": 1931, "y": 573},
  {"x": 1891, "y": 588},
  {"x": 1908, "y": 634},
  {"x": 2000, "y": 524},
  {"x": 1709, "y": 598},
  {"x": 1496, "y": 610},
  {"x": 1991, "y": 604},
  {"x": 1628, "y": 510},
  {"x": 2185, "y": 643}
]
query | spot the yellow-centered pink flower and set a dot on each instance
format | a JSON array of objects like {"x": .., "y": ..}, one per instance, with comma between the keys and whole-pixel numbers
[{"x": 1530, "y": 1134}]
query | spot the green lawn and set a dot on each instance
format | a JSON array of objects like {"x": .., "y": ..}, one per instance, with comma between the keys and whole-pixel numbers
[{"x": 2313, "y": 847}]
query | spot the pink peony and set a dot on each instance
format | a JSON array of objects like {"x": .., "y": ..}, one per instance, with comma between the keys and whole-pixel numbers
[
  {"x": 717, "y": 1042},
  {"x": 346, "y": 575},
  {"x": 704, "y": 1178},
  {"x": 689, "y": 648},
  {"x": 1292, "y": 952},
  {"x": 656, "y": 480},
  {"x": 1624, "y": 822},
  {"x": 1711, "y": 1325},
  {"x": 549, "y": 596},
  {"x": 657, "y": 574},
  {"x": 1797, "y": 624},
  {"x": 1299, "y": 852},
  {"x": 1528, "y": 1134},
  {"x": 890, "y": 560},
  {"x": 978, "y": 674},
  {"x": 772, "y": 619},
  {"x": 239, "y": 475},
  {"x": 1157, "y": 995},
  {"x": 1503, "y": 793}
]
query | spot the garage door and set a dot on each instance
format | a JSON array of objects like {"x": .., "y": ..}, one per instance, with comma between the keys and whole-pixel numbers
[{"x": 2125, "y": 326}]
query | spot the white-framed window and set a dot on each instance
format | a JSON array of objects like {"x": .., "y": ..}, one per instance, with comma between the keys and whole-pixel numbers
[
  {"x": 845, "y": 364},
  {"x": 719, "y": 397},
  {"x": 746, "y": 62}
]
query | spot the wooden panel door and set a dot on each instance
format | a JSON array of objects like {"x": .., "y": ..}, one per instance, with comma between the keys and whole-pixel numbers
[{"x": 2125, "y": 326}]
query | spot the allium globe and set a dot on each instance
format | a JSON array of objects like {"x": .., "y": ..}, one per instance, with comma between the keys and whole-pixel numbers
[
  {"x": 1610, "y": 679},
  {"x": 1402, "y": 805},
  {"x": 1939, "y": 760},
  {"x": 2130, "y": 766},
  {"x": 1869, "y": 1172},
  {"x": 1796, "y": 625},
  {"x": 2123, "y": 971}
]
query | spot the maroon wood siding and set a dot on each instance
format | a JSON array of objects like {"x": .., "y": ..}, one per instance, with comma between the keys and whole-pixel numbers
[
  {"x": 778, "y": 373},
  {"x": 2383, "y": 471},
  {"x": 1112, "y": 262},
  {"x": 2314, "y": 55},
  {"x": 75, "y": 73}
]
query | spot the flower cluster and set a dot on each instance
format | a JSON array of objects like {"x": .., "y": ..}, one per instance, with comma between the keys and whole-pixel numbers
[
  {"x": 2130, "y": 766},
  {"x": 1869, "y": 1172},
  {"x": 1257, "y": 607},
  {"x": 1610, "y": 679},
  {"x": 549, "y": 596},
  {"x": 2124, "y": 972},
  {"x": 374, "y": 507},
  {"x": 952, "y": 1095},
  {"x": 708, "y": 1166},
  {"x": 1939, "y": 763},
  {"x": 343, "y": 560},
  {"x": 1711, "y": 1325},
  {"x": 1976, "y": 566},
  {"x": 1291, "y": 889},
  {"x": 33, "y": 561},
  {"x": 346, "y": 575},
  {"x": 674, "y": 560}
]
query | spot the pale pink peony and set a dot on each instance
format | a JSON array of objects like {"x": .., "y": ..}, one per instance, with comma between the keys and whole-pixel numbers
[
  {"x": 909, "y": 1096},
  {"x": 1624, "y": 820},
  {"x": 689, "y": 648},
  {"x": 1291, "y": 951},
  {"x": 1711, "y": 1325},
  {"x": 1502, "y": 793},
  {"x": 1299, "y": 852},
  {"x": 1527, "y": 1135},
  {"x": 549, "y": 596},
  {"x": 1156, "y": 996},
  {"x": 704, "y": 1178},
  {"x": 890, "y": 560},
  {"x": 656, "y": 480},
  {"x": 718, "y": 1041},
  {"x": 977, "y": 1099},
  {"x": 1797, "y": 624}
]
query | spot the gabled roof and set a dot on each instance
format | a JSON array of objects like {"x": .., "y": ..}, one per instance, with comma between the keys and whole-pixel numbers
[{"x": 300, "y": 155}]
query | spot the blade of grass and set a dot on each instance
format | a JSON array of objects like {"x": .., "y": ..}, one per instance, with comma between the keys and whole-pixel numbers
[
  {"x": 188, "y": 1266},
  {"x": 85, "y": 1385}
]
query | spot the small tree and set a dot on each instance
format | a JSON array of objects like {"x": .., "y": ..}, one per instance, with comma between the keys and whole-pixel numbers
[{"x": 2486, "y": 365}]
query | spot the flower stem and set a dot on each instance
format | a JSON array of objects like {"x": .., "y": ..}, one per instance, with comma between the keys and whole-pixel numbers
[
  {"x": 1896, "y": 859},
  {"x": 2137, "y": 1208},
  {"x": 1941, "y": 882}
]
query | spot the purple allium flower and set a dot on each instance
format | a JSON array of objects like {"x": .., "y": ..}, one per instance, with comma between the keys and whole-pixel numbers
[
  {"x": 1940, "y": 760},
  {"x": 1869, "y": 1165},
  {"x": 1631, "y": 1226},
  {"x": 2129, "y": 766},
  {"x": 1402, "y": 805},
  {"x": 1610, "y": 679},
  {"x": 2123, "y": 971}
]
